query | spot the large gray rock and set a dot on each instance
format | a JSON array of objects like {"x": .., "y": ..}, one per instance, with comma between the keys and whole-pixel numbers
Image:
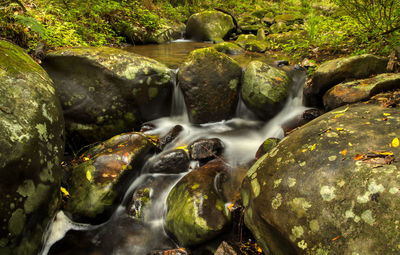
[
  {"x": 196, "y": 212},
  {"x": 360, "y": 90},
  {"x": 31, "y": 149},
  {"x": 330, "y": 187},
  {"x": 209, "y": 26},
  {"x": 338, "y": 70},
  {"x": 210, "y": 83},
  {"x": 265, "y": 89},
  {"x": 106, "y": 91}
]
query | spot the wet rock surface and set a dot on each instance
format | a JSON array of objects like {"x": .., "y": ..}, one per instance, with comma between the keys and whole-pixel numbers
[
  {"x": 209, "y": 26},
  {"x": 338, "y": 70},
  {"x": 265, "y": 89},
  {"x": 360, "y": 90},
  {"x": 204, "y": 149},
  {"x": 106, "y": 91},
  {"x": 31, "y": 148},
  {"x": 169, "y": 137},
  {"x": 210, "y": 83},
  {"x": 268, "y": 145},
  {"x": 101, "y": 174},
  {"x": 196, "y": 213},
  {"x": 169, "y": 162},
  {"x": 329, "y": 187},
  {"x": 228, "y": 48}
]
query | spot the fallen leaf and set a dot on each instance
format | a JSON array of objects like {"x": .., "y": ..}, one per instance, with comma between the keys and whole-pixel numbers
[
  {"x": 64, "y": 191},
  {"x": 395, "y": 142},
  {"x": 386, "y": 114},
  {"x": 338, "y": 115},
  {"x": 342, "y": 111},
  {"x": 88, "y": 175},
  {"x": 313, "y": 147},
  {"x": 344, "y": 152},
  {"x": 183, "y": 147},
  {"x": 359, "y": 156},
  {"x": 339, "y": 129},
  {"x": 85, "y": 159},
  {"x": 335, "y": 238},
  {"x": 304, "y": 150}
]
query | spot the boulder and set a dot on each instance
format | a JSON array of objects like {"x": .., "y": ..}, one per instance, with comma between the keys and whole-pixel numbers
[
  {"x": 267, "y": 145},
  {"x": 31, "y": 148},
  {"x": 106, "y": 91},
  {"x": 251, "y": 43},
  {"x": 290, "y": 18},
  {"x": 360, "y": 90},
  {"x": 250, "y": 23},
  {"x": 102, "y": 173},
  {"x": 330, "y": 187},
  {"x": 209, "y": 26},
  {"x": 210, "y": 83},
  {"x": 265, "y": 89},
  {"x": 196, "y": 213},
  {"x": 204, "y": 149},
  {"x": 169, "y": 162},
  {"x": 335, "y": 71},
  {"x": 169, "y": 137},
  {"x": 228, "y": 48}
]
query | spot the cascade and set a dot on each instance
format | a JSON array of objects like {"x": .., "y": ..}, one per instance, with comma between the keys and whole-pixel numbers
[{"x": 241, "y": 136}]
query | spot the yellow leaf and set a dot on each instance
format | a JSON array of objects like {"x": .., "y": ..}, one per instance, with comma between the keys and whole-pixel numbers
[
  {"x": 338, "y": 115},
  {"x": 304, "y": 150},
  {"x": 183, "y": 147},
  {"x": 344, "y": 152},
  {"x": 259, "y": 250},
  {"x": 88, "y": 175},
  {"x": 313, "y": 147},
  {"x": 339, "y": 129},
  {"x": 341, "y": 111},
  {"x": 386, "y": 114},
  {"x": 85, "y": 159},
  {"x": 350, "y": 144},
  {"x": 395, "y": 142},
  {"x": 64, "y": 191}
]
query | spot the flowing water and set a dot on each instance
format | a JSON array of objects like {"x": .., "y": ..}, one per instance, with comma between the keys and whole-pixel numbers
[{"x": 123, "y": 235}]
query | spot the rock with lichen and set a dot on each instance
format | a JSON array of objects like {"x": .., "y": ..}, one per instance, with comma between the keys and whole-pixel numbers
[
  {"x": 330, "y": 187},
  {"x": 210, "y": 83},
  {"x": 228, "y": 48},
  {"x": 99, "y": 177},
  {"x": 106, "y": 91},
  {"x": 360, "y": 90},
  {"x": 31, "y": 149},
  {"x": 251, "y": 43},
  {"x": 265, "y": 89},
  {"x": 209, "y": 26},
  {"x": 196, "y": 212},
  {"x": 333, "y": 72}
]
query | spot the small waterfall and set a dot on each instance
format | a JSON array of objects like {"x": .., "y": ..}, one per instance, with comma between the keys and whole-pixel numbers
[{"x": 241, "y": 136}]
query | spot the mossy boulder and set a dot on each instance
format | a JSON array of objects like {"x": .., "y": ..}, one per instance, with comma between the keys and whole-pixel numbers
[
  {"x": 290, "y": 18},
  {"x": 360, "y": 90},
  {"x": 267, "y": 145},
  {"x": 209, "y": 26},
  {"x": 196, "y": 212},
  {"x": 210, "y": 83},
  {"x": 98, "y": 179},
  {"x": 228, "y": 48},
  {"x": 330, "y": 187},
  {"x": 335, "y": 71},
  {"x": 251, "y": 43},
  {"x": 106, "y": 91},
  {"x": 31, "y": 148},
  {"x": 265, "y": 89},
  {"x": 250, "y": 23}
]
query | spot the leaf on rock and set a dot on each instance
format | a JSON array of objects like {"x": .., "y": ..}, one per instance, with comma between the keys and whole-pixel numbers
[
  {"x": 88, "y": 175},
  {"x": 342, "y": 111},
  {"x": 395, "y": 142},
  {"x": 344, "y": 152}
]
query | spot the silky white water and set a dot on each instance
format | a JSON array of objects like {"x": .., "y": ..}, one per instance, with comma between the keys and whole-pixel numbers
[{"x": 241, "y": 136}]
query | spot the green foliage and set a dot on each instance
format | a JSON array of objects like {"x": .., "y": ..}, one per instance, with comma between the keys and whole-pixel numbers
[{"x": 31, "y": 23}]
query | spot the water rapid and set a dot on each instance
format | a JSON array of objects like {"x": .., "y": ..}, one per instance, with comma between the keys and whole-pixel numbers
[{"x": 122, "y": 235}]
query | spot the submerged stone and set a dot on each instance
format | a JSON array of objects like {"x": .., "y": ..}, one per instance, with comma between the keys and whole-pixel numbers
[
  {"x": 331, "y": 186},
  {"x": 31, "y": 147}
]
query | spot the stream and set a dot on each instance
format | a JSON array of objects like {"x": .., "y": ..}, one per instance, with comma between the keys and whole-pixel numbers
[{"x": 241, "y": 136}]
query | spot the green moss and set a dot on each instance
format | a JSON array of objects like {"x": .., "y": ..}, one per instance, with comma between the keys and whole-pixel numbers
[{"x": 17, "y": 222}]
